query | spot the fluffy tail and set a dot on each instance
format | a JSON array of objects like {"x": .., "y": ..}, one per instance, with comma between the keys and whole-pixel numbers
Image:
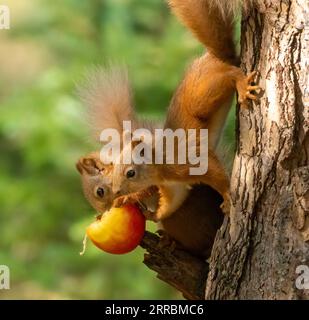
[
  {"x": 212, "y": 21},
  {"x": 107, "y": 95}
]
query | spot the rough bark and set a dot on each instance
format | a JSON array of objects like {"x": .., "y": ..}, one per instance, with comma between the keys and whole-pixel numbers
[
  {"x": 258, "y": 249},
  {"x": 176, "y": 267}
]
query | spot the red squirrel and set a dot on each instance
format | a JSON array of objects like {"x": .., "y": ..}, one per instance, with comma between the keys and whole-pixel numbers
[
  {"x": 202, "y": 101},
  {"x": 187, "y": 212}
]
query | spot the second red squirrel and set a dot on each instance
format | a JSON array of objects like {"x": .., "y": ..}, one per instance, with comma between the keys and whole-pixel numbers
[{"x": 193, "y": 225}]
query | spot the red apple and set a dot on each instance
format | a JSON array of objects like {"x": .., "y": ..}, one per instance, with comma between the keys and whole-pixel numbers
[{"x": 119, "y": 231}]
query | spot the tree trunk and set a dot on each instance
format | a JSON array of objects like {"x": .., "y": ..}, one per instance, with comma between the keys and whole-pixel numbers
[{"x": 258, "y": 249}]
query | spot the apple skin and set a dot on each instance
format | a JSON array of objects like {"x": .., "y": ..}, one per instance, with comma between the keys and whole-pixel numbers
[{"x": 119, "y": 231}]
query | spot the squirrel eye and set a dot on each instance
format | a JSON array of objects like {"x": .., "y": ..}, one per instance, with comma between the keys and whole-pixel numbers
[
  {"x": 130, "y": 174},
  {"x": 100, "y": 192}
]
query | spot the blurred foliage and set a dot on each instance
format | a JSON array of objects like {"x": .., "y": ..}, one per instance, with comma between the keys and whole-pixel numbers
[{"x": 43, "y": 213}]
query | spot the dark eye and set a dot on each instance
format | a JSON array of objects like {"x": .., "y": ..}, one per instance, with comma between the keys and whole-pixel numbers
[
  {"x": 130, "y": 174},
  {"x": 100, "y": 192}
]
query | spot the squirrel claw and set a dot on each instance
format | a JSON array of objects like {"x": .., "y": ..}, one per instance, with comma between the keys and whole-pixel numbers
[
  {"x": 251, "y": 76},
  {"x": 245, "y": 89}
]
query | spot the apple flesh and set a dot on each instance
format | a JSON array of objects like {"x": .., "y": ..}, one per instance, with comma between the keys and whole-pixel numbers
[{"x": 119, "y": 230}]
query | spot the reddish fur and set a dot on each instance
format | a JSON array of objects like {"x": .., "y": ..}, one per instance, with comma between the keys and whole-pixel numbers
[
  {"x": 201, "y": 101},
  {"x": 195, "y": 223}
]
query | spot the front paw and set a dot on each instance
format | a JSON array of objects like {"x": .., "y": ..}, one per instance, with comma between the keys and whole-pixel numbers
[
  {"x": 247, "y": 91},
  {"x": 226, "y": 205}
]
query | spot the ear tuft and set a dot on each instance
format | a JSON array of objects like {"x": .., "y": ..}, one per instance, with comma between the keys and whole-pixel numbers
[{"x": 89, "y": 165}]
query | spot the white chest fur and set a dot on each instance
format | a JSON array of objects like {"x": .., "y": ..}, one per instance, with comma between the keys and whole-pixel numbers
[{"x": 172, "y": 196}]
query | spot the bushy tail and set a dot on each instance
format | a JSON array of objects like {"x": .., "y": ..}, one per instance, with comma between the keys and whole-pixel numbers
[
  {"x": 212, "y": 21},
  {"x": 106, "y": 93}
]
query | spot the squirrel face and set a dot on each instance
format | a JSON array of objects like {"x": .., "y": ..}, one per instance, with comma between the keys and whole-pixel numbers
[
  {"x": 133, "y": 178},
  {"x": 96, "y": 182}
]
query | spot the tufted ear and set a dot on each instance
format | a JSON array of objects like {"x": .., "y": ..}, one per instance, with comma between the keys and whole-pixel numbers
[{"x": 90, "y": 165}]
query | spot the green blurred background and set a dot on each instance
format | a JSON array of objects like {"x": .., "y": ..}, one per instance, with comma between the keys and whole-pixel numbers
[{"x": 43, "y": 214}]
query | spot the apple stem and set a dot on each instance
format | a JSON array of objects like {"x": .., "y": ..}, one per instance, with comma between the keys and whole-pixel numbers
[{"x": 84, "y": 245}]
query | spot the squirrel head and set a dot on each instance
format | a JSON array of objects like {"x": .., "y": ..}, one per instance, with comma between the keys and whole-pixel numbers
[
  {"x": 131, "y": 178},
  {"x": 96, "y": 182}
]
